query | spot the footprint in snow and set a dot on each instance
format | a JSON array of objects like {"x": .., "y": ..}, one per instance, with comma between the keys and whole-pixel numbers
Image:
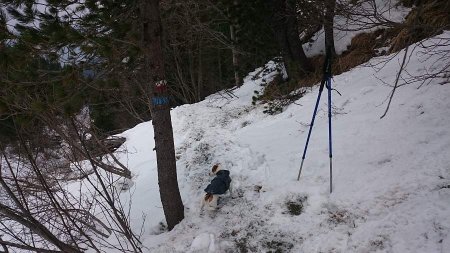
[
  {"x": 204, "y": 243},
  {"x": 366, "y": 90}
]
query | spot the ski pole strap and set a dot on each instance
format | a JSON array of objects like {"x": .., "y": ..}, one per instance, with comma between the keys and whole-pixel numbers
[
  {"x": 327, "y": 70},
  {"x": 329, "y": 88}
]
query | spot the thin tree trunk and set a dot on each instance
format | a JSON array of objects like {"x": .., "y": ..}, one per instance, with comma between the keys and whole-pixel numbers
[
  {"x": 154, "y": 76},
  {"x": 192, "y": 72},
  {"x": 219, "y": 65},
  {"x": 200, "y": 72},
  {"x": 181, "y": 83},
  {"x": 237, "y": 77}
]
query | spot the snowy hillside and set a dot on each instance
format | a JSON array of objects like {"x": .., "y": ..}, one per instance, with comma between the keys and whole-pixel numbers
[
  {"x": 346, "y": 28},
  {"x": 391, "y": 175}
]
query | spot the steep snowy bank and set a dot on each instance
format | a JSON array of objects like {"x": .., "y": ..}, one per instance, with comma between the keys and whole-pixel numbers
[{"x": 392, "y": 175}]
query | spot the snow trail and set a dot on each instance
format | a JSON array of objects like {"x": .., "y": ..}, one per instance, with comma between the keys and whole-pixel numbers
[{"x": 391, "y": 176}]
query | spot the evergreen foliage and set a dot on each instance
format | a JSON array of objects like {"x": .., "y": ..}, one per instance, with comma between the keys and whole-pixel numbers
[{"x": 90, "y": 56}]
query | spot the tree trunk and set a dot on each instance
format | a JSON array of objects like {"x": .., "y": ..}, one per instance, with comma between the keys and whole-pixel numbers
[
  {"x": 154, "y": 76},
  {"x": 192, "y": 72},
  {"x": 286, "y": 31},
  {"x": 293, "y": 37},
  {"x": 237, "y": 77},
  {"x": 234, "y": 26},
  {"x": 200, "y": 72},
  {"x": 330, "y": 6}
]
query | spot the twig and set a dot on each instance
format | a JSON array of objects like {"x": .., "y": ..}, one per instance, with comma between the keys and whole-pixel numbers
[{"x": 396, "y": 82}]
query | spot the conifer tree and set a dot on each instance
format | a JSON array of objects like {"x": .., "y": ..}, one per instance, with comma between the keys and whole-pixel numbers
[
  {"x": 154, "y": 76},
  {"x": 287, "y": 33}
]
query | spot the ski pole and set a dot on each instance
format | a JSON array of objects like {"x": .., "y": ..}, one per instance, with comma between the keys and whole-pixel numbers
[
  {"x": 311, "y": 126},
  {"x": 330, "y": 150},
  {"x": 326, "y": 80}
]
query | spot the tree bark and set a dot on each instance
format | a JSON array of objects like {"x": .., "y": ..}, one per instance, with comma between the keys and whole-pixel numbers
[
  {"x": 285, "y": 26},
  {"x": 234, "y": 27},
  {"x": 330, "y": 6},
  {"x": 154, "y": 76},
  {"x": 200, "y": 72},
  {"x": 237, "y": 77}
]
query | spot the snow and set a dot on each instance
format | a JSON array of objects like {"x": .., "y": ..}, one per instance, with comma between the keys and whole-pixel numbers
[
  {"x": 363, "y": 19},
  {"x": 203, "y": 243},
  {"x": 391, "y": 176}
]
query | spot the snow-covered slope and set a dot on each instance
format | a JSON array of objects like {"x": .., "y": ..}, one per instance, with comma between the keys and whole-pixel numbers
[
  {"x": 391, "y": 175},
  {"x": 364, "y": 19}
]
